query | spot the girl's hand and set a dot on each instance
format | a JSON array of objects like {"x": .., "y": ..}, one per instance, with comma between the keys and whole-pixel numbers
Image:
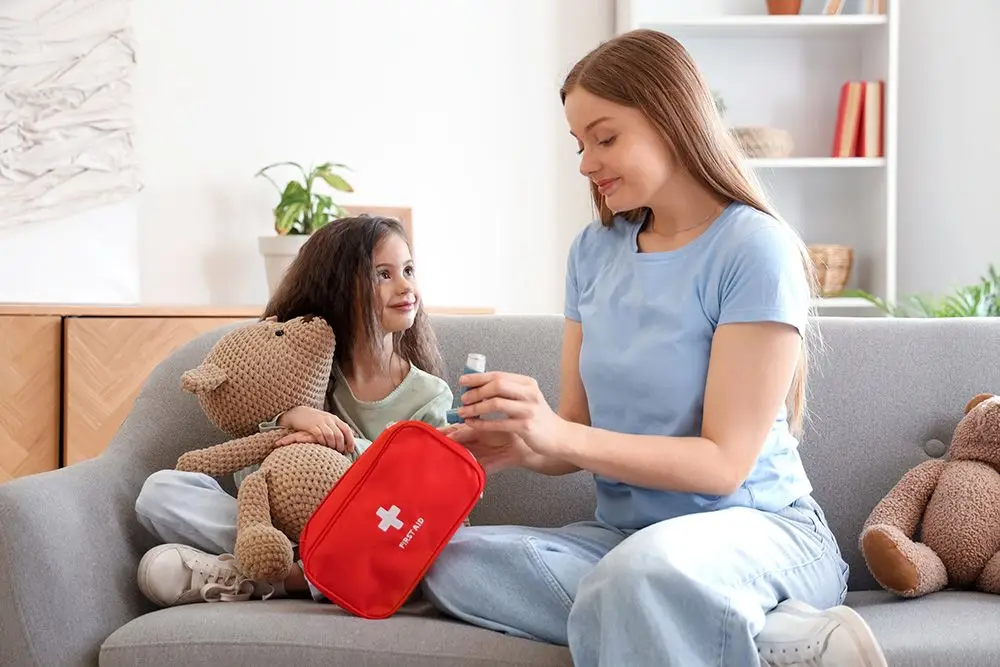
[
  {"x": 312, "y": 425},
  {"x": 519, "y": 399},
  {"x": 494, "y": 450}
]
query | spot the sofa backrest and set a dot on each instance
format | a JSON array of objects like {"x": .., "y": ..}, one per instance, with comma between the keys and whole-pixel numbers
[
  {"x": 885, "y": 394},
  {"x": 880, "y": 390},
  {"x": 527, "y": 344}
]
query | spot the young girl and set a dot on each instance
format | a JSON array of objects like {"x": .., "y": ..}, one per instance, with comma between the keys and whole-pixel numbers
[
  {"x": 358, "y": 274},
  {"x": 682, "y": 392}
]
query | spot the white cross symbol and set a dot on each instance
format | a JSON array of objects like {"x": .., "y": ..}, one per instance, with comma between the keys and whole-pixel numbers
[{"x": 389, "y": 518}]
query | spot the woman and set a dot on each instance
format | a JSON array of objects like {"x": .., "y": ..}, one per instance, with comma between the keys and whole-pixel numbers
[{"x": 682, "y": 391}]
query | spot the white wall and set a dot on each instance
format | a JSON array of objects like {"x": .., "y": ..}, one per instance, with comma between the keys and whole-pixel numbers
[
  {"x": 949, "y": 144},
  {"x": 447, "y": 106},
  {"x": 91, "y": 257},
  {"x": 450, "y": 107}
]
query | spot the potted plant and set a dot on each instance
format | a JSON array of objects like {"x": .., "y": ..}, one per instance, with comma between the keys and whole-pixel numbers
[
  {"x": 783, "y": 7},
  {"x": 981, "y": 299},
  {"x": 301, "y": 210}
]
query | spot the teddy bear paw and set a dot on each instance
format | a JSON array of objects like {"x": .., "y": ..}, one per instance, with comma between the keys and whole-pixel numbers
[
  {"x": 264, "y": 553},
  {"x": 900, "y": 565}
]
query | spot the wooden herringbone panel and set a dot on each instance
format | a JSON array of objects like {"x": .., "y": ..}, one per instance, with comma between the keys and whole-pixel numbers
[
  {"x": 29, "y": 395},
  {"x": 106, "y": 362}
]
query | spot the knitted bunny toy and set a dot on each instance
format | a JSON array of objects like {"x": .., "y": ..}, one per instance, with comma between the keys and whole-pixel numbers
[{"x": 251, "y": 374}]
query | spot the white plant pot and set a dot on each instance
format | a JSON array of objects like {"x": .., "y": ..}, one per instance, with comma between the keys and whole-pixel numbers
[{"x": 278, "y": 252}]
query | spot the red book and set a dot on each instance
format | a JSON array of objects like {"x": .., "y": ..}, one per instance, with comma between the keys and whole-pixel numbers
[{"x": 845, "y": 138}]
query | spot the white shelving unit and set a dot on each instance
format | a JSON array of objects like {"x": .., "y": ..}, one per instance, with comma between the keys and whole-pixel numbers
[{"x": 786, "y": 72}]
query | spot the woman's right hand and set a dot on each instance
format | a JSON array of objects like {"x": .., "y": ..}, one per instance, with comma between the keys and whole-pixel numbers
[
  {"x": 495, "y": 450},
  {"x": 312, "y": 425}
]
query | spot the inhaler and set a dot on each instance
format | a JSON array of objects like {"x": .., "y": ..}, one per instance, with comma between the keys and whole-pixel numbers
[{"x": 474, "y": 363}]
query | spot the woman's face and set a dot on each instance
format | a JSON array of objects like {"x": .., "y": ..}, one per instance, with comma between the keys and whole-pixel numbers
[
  {"x": 619, "y": 150},
  {"x": 396, "y": 290}
]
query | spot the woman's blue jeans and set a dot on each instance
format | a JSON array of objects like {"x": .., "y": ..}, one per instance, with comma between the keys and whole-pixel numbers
[{"x": 687, "y": 592}]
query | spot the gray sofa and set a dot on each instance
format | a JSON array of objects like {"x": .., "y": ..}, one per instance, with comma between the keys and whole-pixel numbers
[{"x": 69, "y": 541}]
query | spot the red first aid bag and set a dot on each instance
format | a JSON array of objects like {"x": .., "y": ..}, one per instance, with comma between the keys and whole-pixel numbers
[{"x": 369, "y": 543}]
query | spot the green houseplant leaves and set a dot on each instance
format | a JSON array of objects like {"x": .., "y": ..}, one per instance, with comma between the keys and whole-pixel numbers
[
  {"x": 302, "y": 210},
  {"x": 981, "y": 299}
]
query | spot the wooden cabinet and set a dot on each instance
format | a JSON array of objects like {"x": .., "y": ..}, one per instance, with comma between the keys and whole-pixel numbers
[
  {"x": 69, "y": 375},
  {"x": 30, "y": 394},
  {"x": 105, "y": 362}
]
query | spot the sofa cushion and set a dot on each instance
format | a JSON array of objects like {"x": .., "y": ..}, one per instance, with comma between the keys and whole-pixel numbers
[
  {"x": 306, "y": 634},
  {"x": 946, "y": 628}
]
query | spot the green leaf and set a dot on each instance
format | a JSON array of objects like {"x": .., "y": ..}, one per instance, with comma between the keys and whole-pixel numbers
[
  {"x": 336, "y": 182},
  {"x": 319, "y": 221},
  {"x": 925, "y": 306},
  {"x": 870, "y": 298},
  {"x": 978, "y": 300},
  {"x": 293, "y": 193},
  {"x": 330, "y": 166},
  {"x": 286, "y": 217},
  {"x": 280, "y": 164},
  {"x": 294, "y": 203},
  {"x": 270, "y": 180},
  {"x": 323, "y": 203},
  {"x": 284, "y": 164}
]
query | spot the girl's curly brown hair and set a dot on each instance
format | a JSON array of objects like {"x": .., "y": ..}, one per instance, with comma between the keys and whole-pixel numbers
[{"x": 333, "y": 277}]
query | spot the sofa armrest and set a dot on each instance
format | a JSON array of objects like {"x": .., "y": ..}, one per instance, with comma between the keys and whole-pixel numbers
[
  {"x": 69, "y": 547},
  {"x": 70, "y": 541}
]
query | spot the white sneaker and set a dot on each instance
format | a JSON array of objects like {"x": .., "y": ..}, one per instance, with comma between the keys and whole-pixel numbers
[
  {"x": 172, "y": 574},
  {"x": 797, "y": 634}
]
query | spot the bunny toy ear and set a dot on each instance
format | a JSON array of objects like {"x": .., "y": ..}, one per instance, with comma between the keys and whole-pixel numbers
[{"x": 204, "y": 378}]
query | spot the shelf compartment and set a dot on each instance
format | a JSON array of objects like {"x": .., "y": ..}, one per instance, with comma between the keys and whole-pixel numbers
[
  {"x": 842, "y": 302},
  {"x": 769, "y": 26},
  {"x": 817, "y": 163}
]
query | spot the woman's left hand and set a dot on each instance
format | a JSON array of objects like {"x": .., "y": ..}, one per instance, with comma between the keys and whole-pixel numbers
[{"x": 515, "y": 405}]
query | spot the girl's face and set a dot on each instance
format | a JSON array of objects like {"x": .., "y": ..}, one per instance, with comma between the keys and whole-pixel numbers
[
  {"x": 396, "y": 292},
  {"x": 620, "y": 150}
]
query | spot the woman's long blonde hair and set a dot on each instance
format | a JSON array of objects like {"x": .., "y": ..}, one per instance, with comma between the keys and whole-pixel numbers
[{"x": 652, "y": 72}]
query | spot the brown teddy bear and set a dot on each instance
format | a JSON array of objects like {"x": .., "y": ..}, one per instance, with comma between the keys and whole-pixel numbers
[
  {"x": 956, "y": 503},
  {"x": 251, "y": 374}
]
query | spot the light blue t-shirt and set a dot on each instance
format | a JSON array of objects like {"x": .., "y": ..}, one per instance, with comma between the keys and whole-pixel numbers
[{"x": 648, "y": 321}]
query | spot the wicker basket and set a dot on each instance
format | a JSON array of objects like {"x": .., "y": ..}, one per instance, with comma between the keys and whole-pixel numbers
[
  {"x": 767, "y": 142},
  {"x": 833, "y": 267}
]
